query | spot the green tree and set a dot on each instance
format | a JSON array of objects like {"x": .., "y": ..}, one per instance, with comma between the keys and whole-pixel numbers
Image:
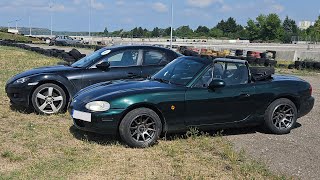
[
  {"x": 106, "y": 32},
  {"x": 253, "y": 30},
  {"x": 155, "y": 32},
  {"x": 290, "y": 29},
  {"x": 216, "y": 33},
  {"x": 290, "y": 26},
  {"x": 184, "y": 31},
  {"x": 265, "y": 28},
  {"x": 202, "y": 30},
  {"x": 230, "y": 28}
]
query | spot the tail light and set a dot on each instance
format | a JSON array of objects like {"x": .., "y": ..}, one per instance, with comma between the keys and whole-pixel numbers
[{"x": 310, "y": 89}]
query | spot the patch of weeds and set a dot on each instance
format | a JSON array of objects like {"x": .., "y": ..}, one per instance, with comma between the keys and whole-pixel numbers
[
  {"x": 193, "y": 133},
  {"x": 12, "y": 156},
  {"x": 31, "y": 126}
]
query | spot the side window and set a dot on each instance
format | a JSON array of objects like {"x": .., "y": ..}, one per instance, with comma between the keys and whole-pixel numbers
[
  {"x": 123, "y": 58},
  {"x": 230, "y": 73},
  {"x": 235, "y": 74},
  {"x": 205, "y": 80},
  {"x": 153, "y": 57}
]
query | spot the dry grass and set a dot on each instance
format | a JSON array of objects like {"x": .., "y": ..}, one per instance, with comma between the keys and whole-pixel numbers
[
  {"x": 48, "y": 147},
  {"x": 17, "y": 37}
]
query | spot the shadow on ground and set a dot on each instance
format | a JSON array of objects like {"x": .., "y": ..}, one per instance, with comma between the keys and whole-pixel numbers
[
  {"x": 111, "y": 140},
  {"x": 94, "y": 137},
  {"x": 21, "y": 109}
]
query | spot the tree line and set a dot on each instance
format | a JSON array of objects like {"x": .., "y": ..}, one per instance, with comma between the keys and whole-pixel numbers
[{"x": 264, "y": 28}]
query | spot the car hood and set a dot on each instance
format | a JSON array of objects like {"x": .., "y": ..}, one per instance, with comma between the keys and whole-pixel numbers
[
  {"x": 108, "y": 90},
  {"x": 41, "y": 70}
]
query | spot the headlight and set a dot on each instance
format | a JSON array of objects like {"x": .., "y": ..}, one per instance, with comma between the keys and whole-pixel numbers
[
  {"x": 21, "y": 80},
  {"x": 98, "y": 106}
]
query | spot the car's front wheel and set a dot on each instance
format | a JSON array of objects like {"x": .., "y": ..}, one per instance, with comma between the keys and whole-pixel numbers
[
  {"x": 49, "y": 99},
  {"x": 140, "y": 128},
  {"x": 281, "y": 116}
]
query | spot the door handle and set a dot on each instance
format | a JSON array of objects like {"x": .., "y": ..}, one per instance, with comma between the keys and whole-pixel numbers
[
  {"x": 132, "y": 75},
  {"x": 245, "y": 95}
]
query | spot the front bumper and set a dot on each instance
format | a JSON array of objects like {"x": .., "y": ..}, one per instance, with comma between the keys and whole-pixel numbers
[
  {"x": 101, "y": 122},
  {"x": 19, "y": 93},
  {"x": 306, "y": 106}
]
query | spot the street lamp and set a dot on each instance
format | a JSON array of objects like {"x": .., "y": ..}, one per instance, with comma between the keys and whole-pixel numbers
[
  {"x": 90, "y": 6},
  {"x": 171, "y": 30},
  {"x": 51, "y": 6}
]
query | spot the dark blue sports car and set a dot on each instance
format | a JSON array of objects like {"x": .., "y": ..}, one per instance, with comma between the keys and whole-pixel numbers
[{"x": 49, "y": 89}]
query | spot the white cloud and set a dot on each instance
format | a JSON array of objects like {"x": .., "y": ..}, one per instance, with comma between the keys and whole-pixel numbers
[
  {"x": 159, "y": 7},
  {"x": 120, "y": 2},
  {"x": 203, "y": 3},
  {"x": 97, "y": 5},
  {"x": 76, "y": 2},
  {"x": 127, "y": 20},
  {"x": 278, "y": 8},
  {"x": 274, "y": 6},
  {"x": 57, "y": 8},
  {"x": 225, "y": 8}
]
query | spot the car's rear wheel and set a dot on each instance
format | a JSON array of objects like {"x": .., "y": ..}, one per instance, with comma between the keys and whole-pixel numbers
[
  {"x": 49, "y": 99},
  {"x": 281, "y": 116},
  {"x": 140, "y": 128}
]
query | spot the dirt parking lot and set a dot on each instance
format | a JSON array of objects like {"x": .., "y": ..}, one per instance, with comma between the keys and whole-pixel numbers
[{"x": 297, "y": 153}]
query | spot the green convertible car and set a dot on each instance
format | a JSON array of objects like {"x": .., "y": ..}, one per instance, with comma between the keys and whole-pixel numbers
[{"x": 192, "y": 92}]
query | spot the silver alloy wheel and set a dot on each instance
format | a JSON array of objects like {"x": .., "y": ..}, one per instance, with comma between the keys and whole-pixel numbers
[
  {"x": 282, "y": 116},
  {"x": 143, "y": 128},
  {"x": 49, "y": 100}
]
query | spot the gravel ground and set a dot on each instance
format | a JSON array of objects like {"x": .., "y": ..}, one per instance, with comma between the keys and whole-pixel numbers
[{"x": 296, "y": 154}]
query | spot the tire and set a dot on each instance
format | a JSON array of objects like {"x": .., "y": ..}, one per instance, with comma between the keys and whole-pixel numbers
[
  {"x": 297, "y": 64},
  {"x": 316, "y": 65},
  {"x": 251, "y": 60},
  {"x": 274, "y": 114},
  {"x": 261, "y": 61},
  {"x": 291, "y": 66},
  {"x": 44, "y": 103},
  {"x": 309, "y": 64},
  {"x": 133, "y": 137},
  {"x": 75, "y": 53}
]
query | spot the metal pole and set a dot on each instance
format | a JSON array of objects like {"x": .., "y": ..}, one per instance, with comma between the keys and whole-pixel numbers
[
  {"x": 171, "y": 24},
  {"x": 30, "y": 25},
  {"x": 90, "y": 20}
]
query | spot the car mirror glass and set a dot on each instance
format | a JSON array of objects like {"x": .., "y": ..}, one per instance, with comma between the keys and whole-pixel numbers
[
  {"x": 103, "y": 66},
  {"x": 216, "y": 83}
]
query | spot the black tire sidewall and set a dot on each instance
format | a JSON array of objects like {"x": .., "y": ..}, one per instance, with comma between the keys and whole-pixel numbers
[
  {"x": 125, "y": 123},
  {"x": 36, "y": 91},
  {"x": 268, "y": 116}
]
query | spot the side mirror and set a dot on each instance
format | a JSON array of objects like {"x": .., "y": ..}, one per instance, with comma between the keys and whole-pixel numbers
[
  {"x": 216, "y": 83},
  {"x": 103, "y": 66}
]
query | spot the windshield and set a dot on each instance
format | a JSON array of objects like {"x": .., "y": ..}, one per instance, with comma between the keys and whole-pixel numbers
[
  {"x": 180, "y": 71},
  {"x": 90, "y": 59}
]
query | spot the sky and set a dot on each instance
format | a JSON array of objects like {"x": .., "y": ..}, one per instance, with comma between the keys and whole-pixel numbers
[{"x": 73, "y": 15}]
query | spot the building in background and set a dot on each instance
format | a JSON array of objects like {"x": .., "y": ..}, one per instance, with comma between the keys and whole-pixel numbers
[
  {"x": 13, "y": 31},
  {"x": 305, "y": 24}
]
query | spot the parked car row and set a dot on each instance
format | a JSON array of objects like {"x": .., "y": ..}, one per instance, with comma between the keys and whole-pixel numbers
[{"x": 142, "y": 92}]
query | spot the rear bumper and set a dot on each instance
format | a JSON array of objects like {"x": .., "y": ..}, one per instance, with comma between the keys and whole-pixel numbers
[{"x": 306, "y": 106}]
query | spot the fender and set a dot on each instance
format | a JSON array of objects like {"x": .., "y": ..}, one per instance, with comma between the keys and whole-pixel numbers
[{"x": 43, "y": 78}]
